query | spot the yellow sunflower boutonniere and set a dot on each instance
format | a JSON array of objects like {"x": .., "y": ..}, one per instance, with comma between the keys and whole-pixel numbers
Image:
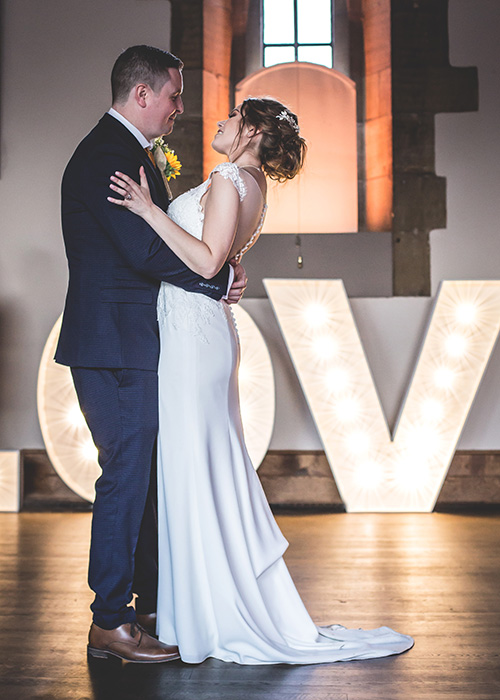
[{"x": 167, "y": 162}]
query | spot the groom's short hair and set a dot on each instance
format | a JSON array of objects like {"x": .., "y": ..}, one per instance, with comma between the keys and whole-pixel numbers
[{"x": 141, "y": 64}]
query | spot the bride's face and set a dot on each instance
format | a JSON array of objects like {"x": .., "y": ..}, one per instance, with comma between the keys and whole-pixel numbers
[{"x": 228, "y": 138}]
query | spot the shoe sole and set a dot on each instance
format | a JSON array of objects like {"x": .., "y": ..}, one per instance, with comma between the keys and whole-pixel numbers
[{"x": 102, "y": 654}]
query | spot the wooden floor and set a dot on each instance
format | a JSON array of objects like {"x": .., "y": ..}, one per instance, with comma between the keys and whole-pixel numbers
[{"x": 436, "y": 577}]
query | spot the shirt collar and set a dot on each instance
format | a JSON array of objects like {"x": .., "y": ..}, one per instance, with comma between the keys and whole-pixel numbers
[{"x": 133, "y": 129}]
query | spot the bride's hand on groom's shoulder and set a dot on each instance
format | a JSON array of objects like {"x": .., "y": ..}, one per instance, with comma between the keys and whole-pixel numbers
[
  {"x": 239, "y": 283},
  {"x": 136, "y": 196}
]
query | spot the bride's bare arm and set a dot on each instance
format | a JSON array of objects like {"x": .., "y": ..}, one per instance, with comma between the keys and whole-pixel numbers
[{"x": 222, "y": 207}]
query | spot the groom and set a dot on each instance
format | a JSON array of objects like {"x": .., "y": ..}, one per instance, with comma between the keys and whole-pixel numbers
[{"x": 109, "y": 338}]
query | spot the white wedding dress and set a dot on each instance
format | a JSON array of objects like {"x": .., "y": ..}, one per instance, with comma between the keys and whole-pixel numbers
[{"x": 224, "y": 589}]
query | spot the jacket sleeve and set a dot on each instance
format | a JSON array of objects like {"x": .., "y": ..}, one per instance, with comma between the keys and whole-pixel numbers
[{"x": 137, "y": 242}]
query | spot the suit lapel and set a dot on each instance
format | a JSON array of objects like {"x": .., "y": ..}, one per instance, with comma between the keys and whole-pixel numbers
[
  {"x": 158, "y": 191},
  {"x": 155, "y": 176}
]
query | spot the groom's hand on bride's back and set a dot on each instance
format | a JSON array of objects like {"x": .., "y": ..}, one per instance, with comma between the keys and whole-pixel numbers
[{"x": 239, "y": 283}]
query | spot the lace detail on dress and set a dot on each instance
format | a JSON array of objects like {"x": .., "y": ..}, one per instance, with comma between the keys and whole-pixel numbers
[
  {"x": 230, "y": 171},
  {"x": 185, "y": 210},
  {"x": 185, "y": 311}
]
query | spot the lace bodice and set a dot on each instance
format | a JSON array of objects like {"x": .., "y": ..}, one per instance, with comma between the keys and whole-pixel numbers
[
  {"x": 187, "y": 212},
  {"x": 188, "y": 312}
]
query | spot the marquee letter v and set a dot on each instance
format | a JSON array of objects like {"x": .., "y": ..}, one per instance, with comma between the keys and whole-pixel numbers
[{"x": 375, "y": 471}]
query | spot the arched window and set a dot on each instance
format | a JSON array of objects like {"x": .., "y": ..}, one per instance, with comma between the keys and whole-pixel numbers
[
  {"x": 324, "y": 197},
  {"x": 298, "y": 30}
]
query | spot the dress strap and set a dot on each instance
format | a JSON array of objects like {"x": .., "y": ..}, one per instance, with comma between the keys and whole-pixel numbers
[
  {"x": 230, "y": 171},
  {"x": 244, "y": 167}
]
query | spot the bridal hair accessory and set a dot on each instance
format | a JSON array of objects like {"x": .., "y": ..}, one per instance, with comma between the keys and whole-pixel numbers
[{"x": 285, "y": 116}]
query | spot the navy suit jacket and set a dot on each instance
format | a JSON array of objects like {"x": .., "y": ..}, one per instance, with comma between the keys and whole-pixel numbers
[{"x": 116, "y": 261}]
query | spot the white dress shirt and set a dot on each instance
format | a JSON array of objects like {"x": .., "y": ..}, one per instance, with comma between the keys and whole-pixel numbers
[{"x": 133, "y": 129}]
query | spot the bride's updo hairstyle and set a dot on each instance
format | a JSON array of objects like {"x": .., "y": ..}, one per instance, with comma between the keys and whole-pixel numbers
[{"x": 282, "y": 149}]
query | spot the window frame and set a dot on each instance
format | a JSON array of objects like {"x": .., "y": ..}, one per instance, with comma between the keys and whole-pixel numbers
[{"x": 296, "y": 44}]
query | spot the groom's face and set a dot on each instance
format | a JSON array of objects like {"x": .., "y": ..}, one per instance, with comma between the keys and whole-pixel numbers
[{"x": 165, "y": 105}]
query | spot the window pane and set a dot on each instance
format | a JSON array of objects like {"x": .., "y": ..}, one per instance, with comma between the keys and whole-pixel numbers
[
  {"x": 316, "y": 54},
  {"x": 314, "y": 20},
  {"x": 278, "y": 54},
  {"x": 278, "y": 22}
]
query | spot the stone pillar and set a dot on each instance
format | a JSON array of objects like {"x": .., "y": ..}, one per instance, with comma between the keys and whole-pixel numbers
[
  {"x": 217, "y": 40},
  {"x": 187, "y": 138},
  {"x": 201, "y": 37},
  {"x": 378, "y": 114},
  {"x": 423, "y": 84}
]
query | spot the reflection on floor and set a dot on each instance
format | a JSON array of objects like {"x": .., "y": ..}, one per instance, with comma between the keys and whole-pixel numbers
[{"x": 434, "y": 577}]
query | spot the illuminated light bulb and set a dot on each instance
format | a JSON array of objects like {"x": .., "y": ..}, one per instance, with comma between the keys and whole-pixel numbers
[
  {"x": 455, "y": 345},
  {"x": 466, "y": 313},
  {"x": 89, "y": 451},
  {"x": 432, "y": 410},
  {"x": 316, "y": 315},
  {"x": 336, "y": 379},
  {"x": 370, "y": 474},
  {"x": 444, "y": 377},
  {"x": 347, "y": 409},
  {"x": 75, "y": 416},
  {"x": 358, "y": 442},
  {"x": 325, "y": 347}
]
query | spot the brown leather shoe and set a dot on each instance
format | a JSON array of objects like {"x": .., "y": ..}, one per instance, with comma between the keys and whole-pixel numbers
[
  {"x": 147, "y": 622},
  {"x": 128, "y": 642}
]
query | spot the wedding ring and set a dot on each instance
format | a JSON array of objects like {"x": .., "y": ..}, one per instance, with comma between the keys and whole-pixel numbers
[{"x": 129, "y": 196}]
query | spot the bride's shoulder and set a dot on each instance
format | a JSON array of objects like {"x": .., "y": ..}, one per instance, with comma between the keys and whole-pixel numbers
[{"x": 230, "y": 171}]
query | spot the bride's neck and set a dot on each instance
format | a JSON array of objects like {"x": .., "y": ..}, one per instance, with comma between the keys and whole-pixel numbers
[
  {"x": 244, "y": 161},
  {"x": 244, "y": 157}
]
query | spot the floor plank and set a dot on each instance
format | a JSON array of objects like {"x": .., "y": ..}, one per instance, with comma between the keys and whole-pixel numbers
[{"x": 433, "y": 576}]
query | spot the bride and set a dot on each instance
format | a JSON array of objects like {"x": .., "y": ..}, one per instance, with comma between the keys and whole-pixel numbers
[{"x": 224, "y": 589}]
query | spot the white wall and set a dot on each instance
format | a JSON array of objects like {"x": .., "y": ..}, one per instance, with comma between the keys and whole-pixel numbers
[
  {"x": 468, "y": 155},
  {"x": 57, "y": 57}
]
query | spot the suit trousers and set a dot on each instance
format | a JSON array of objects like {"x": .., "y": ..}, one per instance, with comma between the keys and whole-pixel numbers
[{"x": 121, "y": 410}]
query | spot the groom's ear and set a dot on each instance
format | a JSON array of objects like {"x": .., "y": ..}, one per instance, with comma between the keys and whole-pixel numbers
[{"x": 141, "y": 92}]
